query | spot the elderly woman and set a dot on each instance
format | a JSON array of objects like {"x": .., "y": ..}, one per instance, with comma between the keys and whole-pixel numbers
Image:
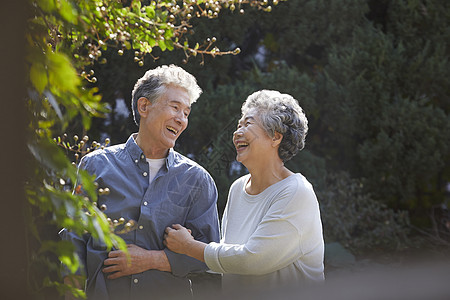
[{"x": 271, "y": 227}]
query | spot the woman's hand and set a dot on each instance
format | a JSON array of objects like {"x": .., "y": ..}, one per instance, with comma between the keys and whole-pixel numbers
[{"x": 178, "y": 239}]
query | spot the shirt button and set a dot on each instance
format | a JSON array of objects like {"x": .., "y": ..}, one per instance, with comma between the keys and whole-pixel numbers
[
  {"x": 145, "y": 203},
  {"x": 145, "y": 174},
  {"x": 136, "y": 161},
  {"x": 142, "y": 156},
  {"x": 141, "y": 227},
  {"x": 136, "y": 280}
]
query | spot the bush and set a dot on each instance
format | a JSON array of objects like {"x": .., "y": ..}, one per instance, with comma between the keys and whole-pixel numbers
[{"x": 358, "y": 222}]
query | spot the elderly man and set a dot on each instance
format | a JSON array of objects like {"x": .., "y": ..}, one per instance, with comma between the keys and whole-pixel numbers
[{"x": 154, "y": 185}]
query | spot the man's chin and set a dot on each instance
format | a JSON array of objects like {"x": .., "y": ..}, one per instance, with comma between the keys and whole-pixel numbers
[{"x": 171, "y": 144}]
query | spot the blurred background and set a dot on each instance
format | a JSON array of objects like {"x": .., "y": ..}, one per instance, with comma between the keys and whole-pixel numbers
[
  {"x": 374, "y": 80},
  {"x": 373, "y": 77}
]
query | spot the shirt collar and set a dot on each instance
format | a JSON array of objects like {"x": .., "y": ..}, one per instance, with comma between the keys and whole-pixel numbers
[{"x": 137, "y": 154}]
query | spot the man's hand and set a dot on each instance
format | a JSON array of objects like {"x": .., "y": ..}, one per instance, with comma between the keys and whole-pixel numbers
[{"x": 139, "y": 260}]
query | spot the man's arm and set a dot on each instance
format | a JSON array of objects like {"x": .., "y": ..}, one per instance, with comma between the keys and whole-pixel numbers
[{"x": 203, "y": 222}]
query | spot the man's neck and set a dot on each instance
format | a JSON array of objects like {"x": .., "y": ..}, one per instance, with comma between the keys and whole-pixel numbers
[{"x": 151, "y": 152}]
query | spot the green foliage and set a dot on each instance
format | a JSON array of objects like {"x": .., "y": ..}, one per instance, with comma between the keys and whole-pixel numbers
[
  {"x": 410, "y": 143},
  {"x": 373, "y": 92},
  {"x": 351, "y": 217}
]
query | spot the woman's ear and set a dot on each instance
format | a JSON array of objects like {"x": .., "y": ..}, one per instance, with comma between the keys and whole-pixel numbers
[
  {"x": 277, "y": 138},
  {"x": 142, "y": 106}
]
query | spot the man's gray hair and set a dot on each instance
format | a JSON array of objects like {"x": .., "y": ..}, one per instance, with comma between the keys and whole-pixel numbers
[
  {"x": 154, "y": 84},
  {"x": 280, "y": 113}
]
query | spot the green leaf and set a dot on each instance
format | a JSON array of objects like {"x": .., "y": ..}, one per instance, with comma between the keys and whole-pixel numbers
[
  {"x": 38, "y": 76},
  {"x": 54, "y": 104},
  {"x": 162, "y": 45},
  {"x": 86, "y": 121},
  {"x": 70, "y": 261},
  {"x": 87, "y": 180},
  {"x": 150, "y": 11},
  {"x": 169, "y": 45},
  {"x": 67, "y": 11},
  {"x": 61, "y": 72},
  {"x": 47, "y": 5},
  {"x": 48, "y": 154},
  {"x": 151, "y": 41}
]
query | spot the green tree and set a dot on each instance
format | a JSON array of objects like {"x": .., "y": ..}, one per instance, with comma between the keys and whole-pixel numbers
[{"x": 388, "y": 91}]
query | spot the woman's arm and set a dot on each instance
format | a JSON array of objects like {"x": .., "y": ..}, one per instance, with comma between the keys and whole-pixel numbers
[
  {"x": 179, "y": 240},
  {"x": 289, "y": 231}
]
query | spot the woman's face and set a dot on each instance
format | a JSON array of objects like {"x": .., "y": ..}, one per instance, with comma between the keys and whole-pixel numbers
[{"x": 252, "y": 142}]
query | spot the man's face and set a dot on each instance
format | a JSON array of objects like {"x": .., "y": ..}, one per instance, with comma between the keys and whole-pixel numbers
[{"x": 167, "y": 118}]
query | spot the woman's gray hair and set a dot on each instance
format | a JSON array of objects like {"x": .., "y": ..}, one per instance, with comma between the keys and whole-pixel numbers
[
  {"x": 280, "y": 113},
  {"x": 154, "y": 84}
]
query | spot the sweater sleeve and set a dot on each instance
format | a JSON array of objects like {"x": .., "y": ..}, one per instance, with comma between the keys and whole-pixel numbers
[{"x": 282, "y": 237}]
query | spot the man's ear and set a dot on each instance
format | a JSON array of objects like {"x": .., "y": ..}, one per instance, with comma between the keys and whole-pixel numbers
[
  {"x": 277, "y": 138},
  {"x": 143, "y": 106}
]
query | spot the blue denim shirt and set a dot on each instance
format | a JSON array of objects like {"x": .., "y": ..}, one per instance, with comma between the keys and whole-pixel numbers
[{"x": 182, "y": 192}]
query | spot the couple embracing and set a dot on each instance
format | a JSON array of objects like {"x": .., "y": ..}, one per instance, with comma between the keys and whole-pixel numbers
[{"x": 271, "y": 232}]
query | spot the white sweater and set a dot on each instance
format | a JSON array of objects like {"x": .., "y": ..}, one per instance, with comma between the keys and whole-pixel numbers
[{"x": 271, "y": 238}]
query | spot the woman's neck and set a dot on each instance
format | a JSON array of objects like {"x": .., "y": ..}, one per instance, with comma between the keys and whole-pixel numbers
[{"x": 266, "y": 175}]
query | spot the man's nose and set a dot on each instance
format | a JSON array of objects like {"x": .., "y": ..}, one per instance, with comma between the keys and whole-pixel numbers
[{"x": 181, "y": 118}]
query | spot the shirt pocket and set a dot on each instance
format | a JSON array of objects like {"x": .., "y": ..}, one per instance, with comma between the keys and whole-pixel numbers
[{"x": 174, "y": 208}]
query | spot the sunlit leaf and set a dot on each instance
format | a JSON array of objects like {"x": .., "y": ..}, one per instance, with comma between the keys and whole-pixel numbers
[
  {"x": 47, "y": 5},
  {"x": 162, "y": 45},
  {"x": 61, "y": 72},
  {"x": 169, "y": 45},
  {"x": 67, "y": 11},
  {"x": 150, "y": 11},
  {"x": 38, "y": 76}
]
